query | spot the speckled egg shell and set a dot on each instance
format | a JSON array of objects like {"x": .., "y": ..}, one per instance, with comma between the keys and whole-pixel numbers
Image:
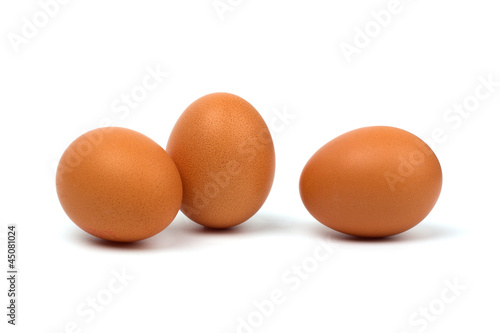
[{"x": 225, "y": 156}]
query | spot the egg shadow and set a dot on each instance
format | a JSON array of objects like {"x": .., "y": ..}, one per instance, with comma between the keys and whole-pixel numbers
[
  {"x": 89, "y": 240},
  {"x": 186, "y": 234},
  {"x": 166, "y": 239},
  {"x": 426, "y": 231},
  {"x": 256, "y": 225}
]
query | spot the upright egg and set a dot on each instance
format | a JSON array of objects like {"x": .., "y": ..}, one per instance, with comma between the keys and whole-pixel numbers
[
  {"x": 372, "y": 182},
  {"x": 118, "y": 185},
  {"x": 225, "y": 156}
]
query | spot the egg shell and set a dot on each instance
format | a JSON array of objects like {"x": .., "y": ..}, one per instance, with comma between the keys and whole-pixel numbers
[
  {"x": 118, "y": 185},
  {"x": 372, "y": 182},
  {"x": 225, "y": 156}
]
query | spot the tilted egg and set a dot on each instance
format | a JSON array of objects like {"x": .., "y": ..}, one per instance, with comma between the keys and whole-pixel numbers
[{"x": 118, "y": 185}]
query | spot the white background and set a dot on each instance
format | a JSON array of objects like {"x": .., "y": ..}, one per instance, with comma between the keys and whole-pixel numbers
[{"x": 280, "y": 56}]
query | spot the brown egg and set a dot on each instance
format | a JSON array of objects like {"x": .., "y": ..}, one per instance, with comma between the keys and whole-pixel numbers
[
  {"x": 225, "y": 156},
  {"x": 118, "y": 184},
  {"x": 372, "y": 182}
]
